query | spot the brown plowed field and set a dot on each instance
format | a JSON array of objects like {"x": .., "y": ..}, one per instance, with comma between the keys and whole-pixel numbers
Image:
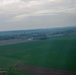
[
  {"x": 43, "y": 71},
  {"x": 7, "y": 42}
]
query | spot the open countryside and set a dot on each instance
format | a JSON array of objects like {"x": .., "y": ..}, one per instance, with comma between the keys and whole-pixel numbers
[{"x": 57, "y": 54}]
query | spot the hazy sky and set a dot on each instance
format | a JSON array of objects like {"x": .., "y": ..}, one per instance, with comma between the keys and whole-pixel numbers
[{"x": 31, "y": 14}]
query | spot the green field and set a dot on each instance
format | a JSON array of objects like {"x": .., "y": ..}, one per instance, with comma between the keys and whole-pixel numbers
[{"x": 56, "y": 52}]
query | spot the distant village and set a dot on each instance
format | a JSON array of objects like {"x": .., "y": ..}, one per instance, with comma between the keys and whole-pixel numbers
[{"x": 39, "y": 34}]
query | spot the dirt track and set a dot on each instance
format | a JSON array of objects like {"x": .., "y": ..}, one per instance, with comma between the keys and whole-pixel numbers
[
  {"x": 43, "y": 71},
  {"x": 7, "y": 42}
]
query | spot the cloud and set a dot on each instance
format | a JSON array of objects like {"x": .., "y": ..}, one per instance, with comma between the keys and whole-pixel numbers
[
  {"x": 14, "y": 11},
  {"x": 46, "y": 12},
  {"x": 57, "y": 0}
]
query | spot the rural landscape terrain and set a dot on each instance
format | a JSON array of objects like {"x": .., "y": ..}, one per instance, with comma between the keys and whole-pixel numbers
[{"x": 50, "y": 51}]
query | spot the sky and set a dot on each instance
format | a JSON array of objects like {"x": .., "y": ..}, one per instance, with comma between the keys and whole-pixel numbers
[{"x": 35, "y": 14}]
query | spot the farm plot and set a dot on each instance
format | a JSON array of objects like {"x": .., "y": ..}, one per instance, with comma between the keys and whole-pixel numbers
[{"x": 56, "y": 53}]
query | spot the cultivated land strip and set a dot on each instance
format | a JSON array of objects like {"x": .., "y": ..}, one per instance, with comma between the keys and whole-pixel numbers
[
  {"x": 43, "y": 71},
  {"x": 7, "y": 42}
]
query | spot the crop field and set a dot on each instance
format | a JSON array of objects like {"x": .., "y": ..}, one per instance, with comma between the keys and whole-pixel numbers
[{"x": 56, "y": 53}]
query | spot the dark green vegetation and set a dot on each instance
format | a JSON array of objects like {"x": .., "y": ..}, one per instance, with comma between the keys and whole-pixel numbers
[{"x": 57, "y": 52}]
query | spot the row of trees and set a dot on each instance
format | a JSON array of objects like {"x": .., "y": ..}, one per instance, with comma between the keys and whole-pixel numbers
[
  {"x": 33, "y": 36},
  {"x": 37, "y": 35}
]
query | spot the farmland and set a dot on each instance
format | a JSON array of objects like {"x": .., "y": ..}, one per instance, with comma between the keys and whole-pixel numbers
[{"x": 56, "y": 52}]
